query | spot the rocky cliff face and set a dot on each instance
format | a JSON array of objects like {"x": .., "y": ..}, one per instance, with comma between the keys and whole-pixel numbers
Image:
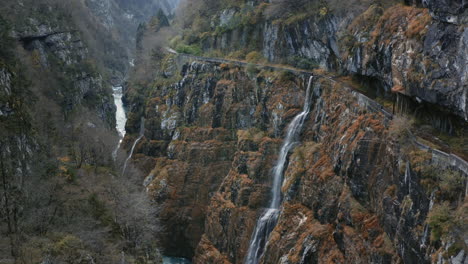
[
  {"x": 193, "y": 135},
  {"x": 335, "y": 188},
  {"x": 355, "y": 189},
  {"x": 313, "y": 40},
  {"x": 359, "y": 187},
  {"x": 121, "y": 19},
  {"x": 53, "y": 45},
  {"x": 397, "y": 45},
  {"x": 448, "y": 11},
  {"x": 408, "y": 52},
  {"x": 57, "y": 133}
]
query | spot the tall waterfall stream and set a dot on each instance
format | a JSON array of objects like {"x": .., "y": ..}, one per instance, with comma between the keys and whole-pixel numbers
[
  {"x": 121, "y": 120},
  {"x": 267, "y": 221},
  {"x": 120, "y": 116},
  {"x": 142, "y": 133}
]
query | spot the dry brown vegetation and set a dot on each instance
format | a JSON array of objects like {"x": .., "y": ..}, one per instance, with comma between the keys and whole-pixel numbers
[
  {"x": 400, "y": 126},
  {"x": 412, "y": 21}
]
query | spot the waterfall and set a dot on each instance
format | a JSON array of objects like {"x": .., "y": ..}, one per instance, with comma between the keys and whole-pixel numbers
[
  {"x": 267, "y": 222},
  {"x": 426, "y": 226},
  {"x": 408, "y": 176},
  {"x": 142, "y": 133},
  {"x": 120, "y": 117}
]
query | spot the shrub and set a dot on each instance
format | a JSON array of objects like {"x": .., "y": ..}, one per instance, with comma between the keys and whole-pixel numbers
[
  {"x": 237, "y": 54},
  {"x": 69, "y": 249},
  {"x": 441, "y": 221},
  {"x": 307, "y": 64},
  {"x": 366, "y": 20},
  {"x": 175, "y": 41},
  {"x": 323, "y": 11},
  {"x": 224, "y": 66},
  {"x": 189, "y": 49},
  {"x": 254, "y": 56},
  {"x": 286, "y": 76},
  {"x": 70, "y": 174},
  {"x": 303, "y": 63},
  {"x": 451, "y": 184},
  {"x": 253, "y": 134},
  {"x": 399, "y": 127},
  {"x": 252, "y": 69},
  {"x": 415, "y": 20},
  {"x": 391, "y": 191},
  {"x": 418, "y": 25},
  {"x": 420, "y": 162}
]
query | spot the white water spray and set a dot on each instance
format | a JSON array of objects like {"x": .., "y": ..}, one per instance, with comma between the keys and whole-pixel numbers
[
  {"x": 267, "y": 222},
  {"x": 120, "y": 117},
  {"x": 142, "y": 133},
  {"x": 426, "y": 226}
]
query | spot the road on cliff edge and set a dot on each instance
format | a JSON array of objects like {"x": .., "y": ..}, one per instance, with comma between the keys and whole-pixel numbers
[{"x": 450, "y": 158}]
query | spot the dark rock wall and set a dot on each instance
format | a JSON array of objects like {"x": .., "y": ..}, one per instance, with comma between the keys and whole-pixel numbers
[
  {"x": 357, "y": 188},
  {"x": 418, "y": 49},
  {"x": 353, "y": 191}
]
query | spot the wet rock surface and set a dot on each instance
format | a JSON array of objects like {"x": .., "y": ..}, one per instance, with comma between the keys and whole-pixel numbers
[
  {"x": 357, "y": 189},
  {"x": 352, "y": 192},
  {"x": 345, "y": 197},
  {"x": 212, "y": 123}
]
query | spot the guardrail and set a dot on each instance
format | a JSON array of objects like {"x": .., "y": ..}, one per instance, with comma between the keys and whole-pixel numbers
[
  {"x": 241, "y": 63},
  {"x": 438, "y": 157}
]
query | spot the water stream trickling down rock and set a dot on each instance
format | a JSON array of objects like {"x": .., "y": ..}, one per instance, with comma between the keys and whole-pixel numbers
[
  {"x": 142, "y": 133},
  {"x": 267, "y": 222}
]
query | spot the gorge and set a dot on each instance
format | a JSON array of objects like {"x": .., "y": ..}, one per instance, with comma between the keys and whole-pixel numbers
[{"x": 229, "y": 132}]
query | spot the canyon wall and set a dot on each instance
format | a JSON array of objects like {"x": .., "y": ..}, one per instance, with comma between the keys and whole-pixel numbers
[
  {"x": 360, "y": 187},
  {"x": 61, "y": 198},
  {"x": 356, "y": 189},
  {"x": 397, "y": 45}
]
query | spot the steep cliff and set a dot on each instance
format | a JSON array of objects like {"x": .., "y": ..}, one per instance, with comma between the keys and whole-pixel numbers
[
  {"x": 370, "y": 180},
  {"x": 347, "y": 195},
  {"x": 394, "y": 44},
  {"x": 61, "y": 197},
  {"x": 121, "y": 18},
  {"x": 410, "y": 53},
  {"x": 357, "y": 188}
]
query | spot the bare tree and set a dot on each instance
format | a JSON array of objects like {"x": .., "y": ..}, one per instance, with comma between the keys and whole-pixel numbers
[{"x": 136, "y": 216}]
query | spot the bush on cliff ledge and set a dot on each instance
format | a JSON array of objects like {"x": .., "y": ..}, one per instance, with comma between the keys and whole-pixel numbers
[
  {"x": 441, "y": 221},
  {"x": 189, "y": 49}
]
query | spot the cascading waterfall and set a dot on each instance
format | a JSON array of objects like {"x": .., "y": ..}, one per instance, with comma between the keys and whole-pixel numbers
[
  {"x": 142, "y": 133},
  {"x": 267, "y": 222},
  {"x": 426, "y": 226},
  {"x": 120, "y": 117},
  {"x": 408, "y": 176}
]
